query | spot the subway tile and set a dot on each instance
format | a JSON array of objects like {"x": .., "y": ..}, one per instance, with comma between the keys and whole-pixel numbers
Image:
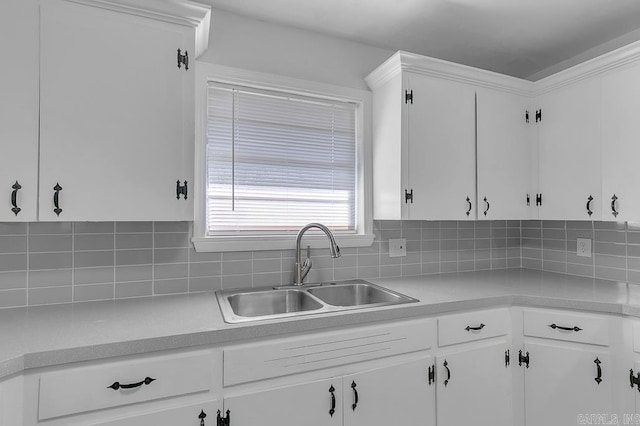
[
  {"x": 267, "y": 279},
  {"x": 466, "y": 244},
  {"x": 386, "y": 260},
  {"x": 513, "y": 242},
  {"x": 180, "y": 285},
  {"x": 373, "y": 248},
  {"x": 345, "y": 261},
  {"x": 387, "y": 234},
  {"x": 548, "y": 265},
  {"x": 50, "y": 261},
  {"x": 205, "y": 269},
  {"x": 411, "y": 258},
  {"x": 554, "y": 234},
  {"x": 620, "y": 226},
  {"x": 83, "y": 293},
  {"x": 434, "y": 234},
  {"x": 482, "y": 254},
  {"x": 238, "y": 281},
  {"x": 13, "y": 280},
  {"x": 610, "y": 261},
  {"x": 431, "y": 268},
  {"x": 315, "y": 276},
  {"x": 610, "y": 236},
  {"x": 482, "y": 264},
  {"x": 171, "y": 227},
  {"x": 553, "y": 224},
  {"x": 531, "y": 224},
  {"x": 174, "y": 255},
  {"x": 93, "y": 275},
  {"x": 633, "y": 277},
  {"x": 194, "y": 256},
  {"x": 466, "y": 233},
  {"x": 514, "y": 262},
  {"x": 483, "y": 224},
  {"x": 430, "y": 256},
  {"x": 498, "y": 263},
  {"x": 49, "y": 243},
  {"x": 238, "y": 267},
  {"x": 483, "y": 243},
  {"x": 13, "y": 262},
  {"x": 171, "y": 270},
  {"x": 531, "y": 253},
  {"x": 579, "y": 224},
  {"x": 467, "y": 265},
  {"x": 605, "y": 248},
  {"x": 575, "y": 259},
  {"x": 633, "y": 250},
  {"x": 449, "y": 256},
  {"x": 448, "y": 224},
  {"x": 13, "y": 244},
  {"x": 411, "y": 269},
  {"x": 93, "y": 227},
  {"x": 51, "y": 278},
  {"x": 532, "y": 263},
  {"x": 513, "y": 224},
  {"x": 448, "y": 245},
  {"x": 387, "y": 271},
  {"x": 368, "y": 260},
  {"x": 242, "y": 255},
  {"x": 134, "y": 241},
  {"x": 93, "y": 242},
  {"x": 556, "y": 256},
  {"x": 86, "y": 259},
  {"x": 134, "y": 273},
  {"x": 350, "y": 273},
  {"x": 498, "y": 224},
  {"x": 449, "y": 234},
  {"x": 46, "y": 228},
  {"x": 554, "y": 244},
  {"x": 572, "y": 234},
  {"x": 50, "y": 295},
  {"x": 514, "y": 233},
  {"x": 464, "y": 255},
  {"x": 13, "y": 298},
  {"x": 205, "y": 283},
  {"x": 498, "y": 232},
  {"x": 446, "y": 267},
  {"x": 581, "y": 270},
  {"x": 498, "y": 243},
  {"x": 633, "y": 237},
  {"x": 430, "y": 224},
  {"x": 498, "y": 253},
  {"x": 633, "y": 263},
  {"x": 430, "y": 245},
  {"x": 413, "y": 246},
  {"x": 610, "y": 274},
  {"x": 267, "y": 265},
  {"x": 133, "y": 227},
  {"x": 483, "y": 233},
  {"x": 175, "y": 240},
  {"x": 135, "y": 257},
  {"x": 368, "y": 272},
  {"x": 13, "y": 228},
  {"x": 389, "y": 224},
  {"x": 133, "y": 289}
]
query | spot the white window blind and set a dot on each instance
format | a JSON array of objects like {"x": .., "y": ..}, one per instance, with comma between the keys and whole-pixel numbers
[{"x": 277, "y": 161}]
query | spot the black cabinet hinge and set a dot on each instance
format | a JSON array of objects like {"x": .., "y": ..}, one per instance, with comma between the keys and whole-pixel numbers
[
  {"x": 526, "y": 116},
  {"x": 538, "y": 199},
  {"x": 408, "y": 96},
  {"x": 223, "y": 420},
  {"x": 507, "y": 358},
  {"x": 523, "y": 359},
  {"x": 432, "y": 375},
  {"x": 408, "y": 196},
  {"x": 183, "y": 59},
  {"x": 539, "y": 115},
  {"x": 634, "y": 380}
]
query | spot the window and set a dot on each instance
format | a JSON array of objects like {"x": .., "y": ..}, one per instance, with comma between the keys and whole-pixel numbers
[{"x": 276, "y": 160}]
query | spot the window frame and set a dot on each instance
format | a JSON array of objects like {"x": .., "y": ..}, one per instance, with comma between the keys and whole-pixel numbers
[{"x": 206, "y": 73}]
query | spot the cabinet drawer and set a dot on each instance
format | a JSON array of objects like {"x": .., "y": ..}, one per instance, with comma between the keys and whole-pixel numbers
[
  {"x": 472, "y": 326},
  {"x": 82, "y": 389},
  {"x": 570, "y": 327},
  {"x": 190, "y": 415},
  {"x": 258, "y": 361}
]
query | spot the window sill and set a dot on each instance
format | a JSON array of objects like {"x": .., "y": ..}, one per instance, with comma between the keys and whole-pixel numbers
[{"x": 234, "y": 243}]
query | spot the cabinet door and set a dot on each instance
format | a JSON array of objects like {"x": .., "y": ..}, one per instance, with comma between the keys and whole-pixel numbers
[
  {"x": 116, "y": 115},
  {"x": 620, "y": 148},
  {"x": 19, "y": 110},
  {"x": 560, "y": 384},
  {"x": 440, "y": 152},
  {"x": 394, "y": 395},
  {"x": 474, "y": 387},
  {"x": 569, "y": 152},
  {"x": 311, "y": 404},
  {"x": 504, "y": 156},
  {"x": 200, "y": 414}
]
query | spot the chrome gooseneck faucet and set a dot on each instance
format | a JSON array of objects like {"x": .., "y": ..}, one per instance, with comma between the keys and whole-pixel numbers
[{"x": 302, "y": 269}]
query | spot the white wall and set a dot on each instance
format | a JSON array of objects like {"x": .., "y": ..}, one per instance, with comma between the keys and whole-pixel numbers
[{"x": 241, "y": 42}]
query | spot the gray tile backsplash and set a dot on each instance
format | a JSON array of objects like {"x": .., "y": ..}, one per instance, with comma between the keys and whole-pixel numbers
[{"x": 46, "y": 263}]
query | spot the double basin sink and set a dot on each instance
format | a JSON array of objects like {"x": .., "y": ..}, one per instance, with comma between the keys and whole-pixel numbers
[{"x": 284, "y": 302}]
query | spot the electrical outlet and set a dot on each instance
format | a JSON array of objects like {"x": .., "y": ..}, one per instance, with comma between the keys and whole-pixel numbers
[
  {"x": 397, "y": 247},
  {"x": 583, "y": 247}
]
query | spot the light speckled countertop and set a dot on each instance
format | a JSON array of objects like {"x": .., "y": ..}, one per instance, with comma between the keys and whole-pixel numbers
[{"x": 51, "y": 335}]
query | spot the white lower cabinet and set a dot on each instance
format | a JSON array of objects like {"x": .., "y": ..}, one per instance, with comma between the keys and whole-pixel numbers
[
  {"x": 11, "y": 401},
  {"x": 474, "y": 386},
  {"x": 393, "y": 395},
  {"x": 563, "y": 384}
]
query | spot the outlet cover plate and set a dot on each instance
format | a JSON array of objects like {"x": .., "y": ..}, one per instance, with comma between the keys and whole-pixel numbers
[
  {"x": 397, "y": 247},
  {"x": 583, "y": 247}
]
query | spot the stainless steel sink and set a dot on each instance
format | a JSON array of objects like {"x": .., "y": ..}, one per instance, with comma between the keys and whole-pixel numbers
[
  {"x": 358, "y": 294},
  {"x": 283, "y": 302}
]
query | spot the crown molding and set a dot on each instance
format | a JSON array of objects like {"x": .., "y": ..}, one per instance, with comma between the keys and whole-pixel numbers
[
  {"x": 424, "y": 65},
  {"x": 180, "y": 12},
  {"x": 602, "y": 64}
]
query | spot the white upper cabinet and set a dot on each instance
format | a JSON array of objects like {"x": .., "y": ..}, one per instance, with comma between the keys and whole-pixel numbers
[
  {"x": 505, "y": 155},
  {"x": 570, "y": 177},
  {"x": 620, "y": 147},
  {"x": 19, "y": 111},
  {"x": 117, "y": 119},
  {"x": 424, "y": 137},
  {"x": 440, "y": 149}
]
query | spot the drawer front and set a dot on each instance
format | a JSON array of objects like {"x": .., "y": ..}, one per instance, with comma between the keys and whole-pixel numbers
[
  {"x": 191, "y": 415},
  {"x": 83, "y": 389},
  {"x": 580, "y": 328},
  {"x": 468, "y": 327},
  {"x": 251, "y": 362}
]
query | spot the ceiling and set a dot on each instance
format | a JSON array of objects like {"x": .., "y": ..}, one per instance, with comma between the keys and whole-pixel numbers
[{"x": 514, "y": 37}]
